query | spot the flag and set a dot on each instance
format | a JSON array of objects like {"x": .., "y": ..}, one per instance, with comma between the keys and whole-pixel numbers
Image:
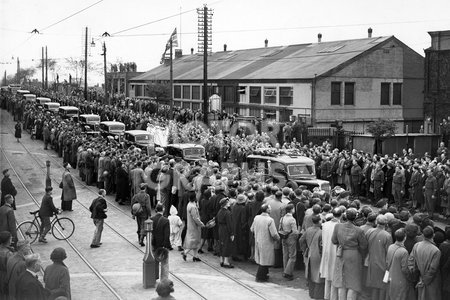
[{"x": 174, "y": 39}]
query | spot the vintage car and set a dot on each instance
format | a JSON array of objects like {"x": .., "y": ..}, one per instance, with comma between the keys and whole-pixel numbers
[
  {"x": 283, "y": 167},
  {"x": 52, "y": 107},
  {"x": 29, "y": 98},
  {"x": 68, "y": 112},
  {"x": 112, "y": 128},
  {"x": 187, "y": 152},
  {"x": 89, "y": 122},
  {"x": 139, "y": 138},
  {"x": 40, "y": 101}
]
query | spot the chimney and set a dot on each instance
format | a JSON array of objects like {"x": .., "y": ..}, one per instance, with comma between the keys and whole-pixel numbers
[
  {"x": 369, "y": 32},
  {"x": 224, "y": 47},
  {"x": 319, "y": 38},
  {"x": 266, "y": 43},
  {"x": 178, "y": 53}
]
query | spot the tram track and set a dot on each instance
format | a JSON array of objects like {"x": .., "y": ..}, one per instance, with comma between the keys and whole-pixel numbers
[{"x": 127, "y": 214}]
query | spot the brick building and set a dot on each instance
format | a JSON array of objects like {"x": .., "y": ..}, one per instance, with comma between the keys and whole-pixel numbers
[
  {"x": 353, "y": 81},
  {"x": 437, "y": 78}
]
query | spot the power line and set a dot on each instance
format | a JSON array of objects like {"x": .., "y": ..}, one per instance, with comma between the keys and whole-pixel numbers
[{"x": 76, "y": 13}]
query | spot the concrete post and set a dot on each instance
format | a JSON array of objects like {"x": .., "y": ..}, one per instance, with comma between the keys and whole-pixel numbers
[
  {"x": 48, "y": 181},
  {"x": 150, "y": 265}
]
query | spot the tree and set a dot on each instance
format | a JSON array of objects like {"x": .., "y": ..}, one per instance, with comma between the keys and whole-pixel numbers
[{"x": 381, "y": 130}]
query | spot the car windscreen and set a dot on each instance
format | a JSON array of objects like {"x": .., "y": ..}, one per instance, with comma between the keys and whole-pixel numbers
[
  {"x": 71, "y": 112},
  {"x": 194, "y": 152},
  {"x": 93, "y": 119},
  {"x": 299, "y": 170},
  {"x": 116, "y": 128},
  {"x": 143, "y": 138}
]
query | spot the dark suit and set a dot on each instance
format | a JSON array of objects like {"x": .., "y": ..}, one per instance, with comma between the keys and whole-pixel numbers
[
  {"x": 161, "y": 231},
  {"x": 8, "y": 221},
  {"x": 28, "y": 287},
  {"x": 47, "y": 209},
  {"x": 7, "y": 188}
]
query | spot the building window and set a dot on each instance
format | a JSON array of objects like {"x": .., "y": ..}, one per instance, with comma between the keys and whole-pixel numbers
[
  {"x": 349, "y": 98},
  {"x": 385, "y": 93},
  {"x": 270, "y": 95},
  {"x": 270, "y": 114},
  {"x": 335, "y": 93},
  {"x": 255, "y": 95},
  {"x": 177, "y": 91},
  {"x": 186, "y": 105},
  {"x": 229, "y": 94},
  {"x": 186, "y": 92},
  {"x": 285, "y": 115},
  {"x": 213, "y": 89},
  {"x": 397, "y": 99},
  {"x": 286, "y": 96},
  {"x": 195, "y": 106},
  {"x": 138, "y": 91},
  {"x": 196, "y": 92},
  {"x": 255, "y": 112}
]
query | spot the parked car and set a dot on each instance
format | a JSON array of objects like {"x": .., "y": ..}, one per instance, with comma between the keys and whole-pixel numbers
[
  {"x": 284, "y": 167},
  {"x": 67, "y": 112},
  {"x": 89, "y": 122},
  {"x": 40, "y": 101},
  {"x": 187, "y": 152},
  {"x": 52, "y": 107},
  {"x": 112, "y": 128},
  {"x": 138, "y": 138}
]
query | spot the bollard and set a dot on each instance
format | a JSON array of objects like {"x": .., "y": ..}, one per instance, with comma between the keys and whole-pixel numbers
[
  {"x": 150, "y": 265},
  {"x": 48, "y": 181}
]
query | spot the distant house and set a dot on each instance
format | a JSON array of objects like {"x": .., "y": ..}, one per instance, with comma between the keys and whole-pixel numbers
[
  {"x": 437, "y": 78},
  {"x": 353, "y": 81}
]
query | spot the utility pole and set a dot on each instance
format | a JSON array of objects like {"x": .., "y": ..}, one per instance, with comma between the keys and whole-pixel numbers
[
  {"x": 104, "y": 71},
  {"x": 46, "y": 68},
  {"x": 18, "y": 70},
  {"x": 42, "y": 67},
  {"x": 171, "y": 79},
  {"x": 85, "y": 65}
]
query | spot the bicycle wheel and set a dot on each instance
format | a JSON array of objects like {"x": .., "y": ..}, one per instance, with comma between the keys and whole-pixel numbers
[
  {"x": 29, "y": 231},
  {"x": 63, "y": 228}
]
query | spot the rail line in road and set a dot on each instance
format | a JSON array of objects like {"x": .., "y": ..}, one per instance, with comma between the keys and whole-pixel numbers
[{"x": 122, "y": 211}]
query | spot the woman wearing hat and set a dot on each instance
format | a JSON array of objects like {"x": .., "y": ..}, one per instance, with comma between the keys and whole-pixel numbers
[
  {"x": 56, "y": 275},
  {"x": 69, "y": 193},
  {"x": 18, "y": 131},
  {"x": 192, "y": 240},
  {"x": 226, "y": 235}
]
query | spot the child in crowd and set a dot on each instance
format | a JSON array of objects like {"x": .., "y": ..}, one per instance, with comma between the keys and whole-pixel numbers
[{"x": 176, "y": 227}]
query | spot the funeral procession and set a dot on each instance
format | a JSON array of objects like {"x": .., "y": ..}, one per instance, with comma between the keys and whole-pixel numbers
[{"x": 227, "y": 149}]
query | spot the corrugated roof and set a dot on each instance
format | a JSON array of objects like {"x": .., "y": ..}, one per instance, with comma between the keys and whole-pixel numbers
[{"x": 302, "y": 61}]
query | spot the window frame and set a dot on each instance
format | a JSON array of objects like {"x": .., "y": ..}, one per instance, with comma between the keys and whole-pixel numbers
[
  {"x": 383, "y": 93},
  {"x": 186, "y": 90},
  {"x": 270, "y": 93},
  {"x": 287, "y": 100},
  {"x": 177, "y": 91},
  {"x": 252, "y": 98},
  {"x": 397, "y": 91},
  {"x": 346, "y": 93},
  {"x": 335, "y": 92},
  {"x": 194, "y": 94}
]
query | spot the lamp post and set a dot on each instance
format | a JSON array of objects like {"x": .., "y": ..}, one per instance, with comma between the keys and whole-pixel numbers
[
  {"x": 150, "y": 265},
  {"x": 48, "y": 181}
]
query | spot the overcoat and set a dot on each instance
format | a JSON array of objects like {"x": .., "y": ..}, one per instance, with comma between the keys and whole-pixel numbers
[
  {"x": 69, "y": 192},
  {"x": 311, "y": 240},
  {"x": 445, "y": 266},
  {"x": 397, "y": 263},
  {"x": 329, "y": 250},
  {"x": 223, "y": 220},
  {"x": 379, "y": 241},
  {"x": 194, "y": 226},
  {"x": 348, "y": 270},
  {"x": 265, "y": 236},
  {"x": 241, "y": 228},
  {"x": 57, "y": 279},
  {"x": 427, "y": 256}
]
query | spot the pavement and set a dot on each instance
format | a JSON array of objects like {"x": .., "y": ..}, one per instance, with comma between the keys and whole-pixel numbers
[{"x": 115, "y": 270}]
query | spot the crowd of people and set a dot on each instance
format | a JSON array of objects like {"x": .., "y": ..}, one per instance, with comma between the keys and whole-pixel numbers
[{"x": 346, "y": 246}]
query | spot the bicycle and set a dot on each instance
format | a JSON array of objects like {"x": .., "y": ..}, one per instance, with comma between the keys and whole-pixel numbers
[{"x": 61, "y": 228}]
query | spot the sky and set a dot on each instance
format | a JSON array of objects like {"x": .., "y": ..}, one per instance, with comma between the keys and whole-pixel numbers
[{"x": 241, "y": 24}]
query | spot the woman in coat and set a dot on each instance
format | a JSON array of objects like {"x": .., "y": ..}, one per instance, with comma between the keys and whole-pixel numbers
[
  {"x": 122, "y": 184},
  {"x": 69, "y": 193},
  {"x": 192, "y": 240},
  {"x": 56, "y": 275},
  {"x": 266, "y": 234},
  {"x": 18, "y": 131},
  {"x": 311, "y": 245},
  {"x": 241, "y": 228},
  {"x": 226, "y": 235}
]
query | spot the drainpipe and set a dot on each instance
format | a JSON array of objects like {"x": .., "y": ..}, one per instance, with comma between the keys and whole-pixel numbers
[{"x": 313, "y": 101}]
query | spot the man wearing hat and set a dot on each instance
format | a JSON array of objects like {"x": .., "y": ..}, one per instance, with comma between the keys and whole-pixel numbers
[
  {"x": 141, "y": 210},
  {"x": 46, "y": 211},
  {"x": 28, "y": 284},
  {"x": 56, "y": 275},
  {"x": 69, "y": 193},
  {"x": 16, "y": 266},
  {"x": 7, "y": 188}
]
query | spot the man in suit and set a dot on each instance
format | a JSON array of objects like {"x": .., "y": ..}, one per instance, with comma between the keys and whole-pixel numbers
[
  {"x": 161, "y": 229},
  {"x": 7, "y": 188},
  {"x": 46, "y": 211},
  {"x": 98, "y": 210},
  {"x": 143, "y": 213},
  {"x": 8, "y": 219},
  {"x": 28, "y": 286},
  {"x": 15, "y": 266}
]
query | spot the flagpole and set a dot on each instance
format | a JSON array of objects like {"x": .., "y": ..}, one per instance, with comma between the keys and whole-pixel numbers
[{"x": 171, "y": 79}]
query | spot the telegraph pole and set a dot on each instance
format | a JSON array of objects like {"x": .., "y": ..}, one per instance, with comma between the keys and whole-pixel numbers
[
  {"x": 171, "y": 78},
  {"x": 18, "y": 70},
  {"x": 42, "y": 66},
  {"x": 46, "y": 68},
  {"x": 104, "y": 71},
  {"x": 85, "y": 65}
]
